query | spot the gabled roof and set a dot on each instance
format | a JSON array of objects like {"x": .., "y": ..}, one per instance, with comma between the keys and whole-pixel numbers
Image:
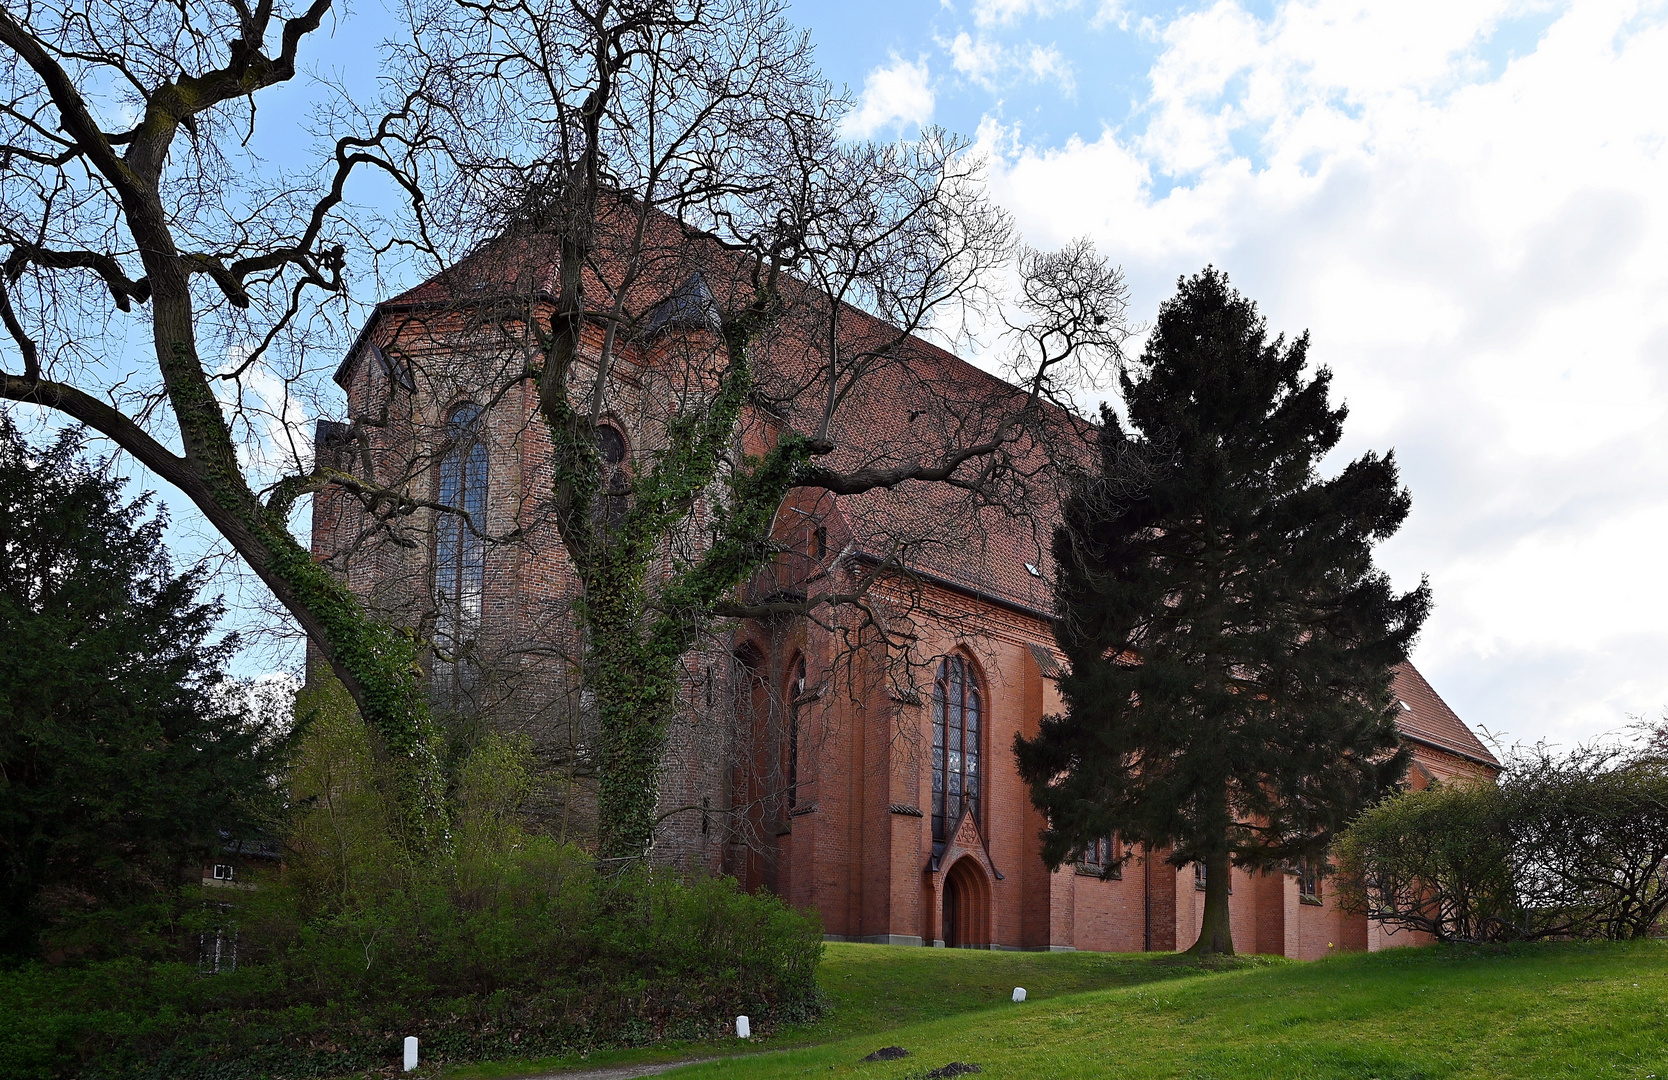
[
  {"x": 911, "y": 406},
  {"x": 1426, "y": 718}
]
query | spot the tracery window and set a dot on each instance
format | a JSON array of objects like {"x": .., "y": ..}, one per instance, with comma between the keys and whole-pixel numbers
[
  {"x": 1102, "y": 854},
  {"x": 609, "y": 509},
  {"x": 957, "y": 712},
  {"x": 460, "y": 548},
  {"x": 1308, "y": 881}
]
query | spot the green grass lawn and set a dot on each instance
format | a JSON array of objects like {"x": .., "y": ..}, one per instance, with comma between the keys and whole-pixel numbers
[
  {"x": 1536, "y": 1011},
  {"x": 875, "y": 988}
]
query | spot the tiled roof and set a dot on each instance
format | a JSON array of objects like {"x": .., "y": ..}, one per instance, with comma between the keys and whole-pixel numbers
[
  {"x": 926, "y": 403},
  {"x": 908, "y": 406},
  {"x": 1427, "y": 718}
]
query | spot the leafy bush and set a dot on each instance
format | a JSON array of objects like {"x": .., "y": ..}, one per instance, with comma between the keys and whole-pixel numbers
[
  {"x": 1589, "y": 842},
  {"x": 505, "y": 944},
  {"x": 1572, "y": 846},
  {"x": 1433, "y": 860}
]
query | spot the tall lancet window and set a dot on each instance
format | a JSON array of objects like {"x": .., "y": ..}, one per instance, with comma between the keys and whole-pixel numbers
[
  {"x": 609, "y": 509},
  {"x": 460, "y": 550},
  {"x": 957, "y": 710},
  {"x": 796, "y": 690}
]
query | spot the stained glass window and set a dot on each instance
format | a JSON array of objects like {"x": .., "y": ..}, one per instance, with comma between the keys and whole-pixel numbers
[
  {"x": 1102, "y": 854},
  {"x": 609, "y": 509},
  {"x": 957, "y": 710},
  {"x": 460, "y": 549},
  {"x": 1308, "y": 881},
  {"x": 796, "y": 690}
]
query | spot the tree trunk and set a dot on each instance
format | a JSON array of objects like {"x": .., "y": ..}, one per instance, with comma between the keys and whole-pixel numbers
[
  {"x": 376, "y": 662},
  {"x": 637, "y": 698},
  {"x": 1216, "y": 935}
]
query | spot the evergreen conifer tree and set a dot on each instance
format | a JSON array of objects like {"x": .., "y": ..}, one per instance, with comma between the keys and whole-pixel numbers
[
  {"x": 1229, "y": 639},
  {"x": 125, "y": 752}
]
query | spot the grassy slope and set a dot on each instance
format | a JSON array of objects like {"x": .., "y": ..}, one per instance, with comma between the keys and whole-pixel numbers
[
  {"x": 1542, "y": 1011},
  {"x": 875, "y": 988}
]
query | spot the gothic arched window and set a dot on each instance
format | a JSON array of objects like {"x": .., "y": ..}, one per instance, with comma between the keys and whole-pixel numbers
[
  {"x": 957, "y": 710},
  {"x": 796, "y": 690},
  {"x": 609, "y": 509},
  {"x": 460, "y": 546}
]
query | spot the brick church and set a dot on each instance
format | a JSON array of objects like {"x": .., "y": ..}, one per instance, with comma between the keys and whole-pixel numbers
[{"x": 857, "y": 763}]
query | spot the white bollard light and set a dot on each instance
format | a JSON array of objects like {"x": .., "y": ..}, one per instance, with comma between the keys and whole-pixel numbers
[
  {"x": 410, "y": 1052},
  {"x": 744, "y": 1030},
  {"x": 1019, "y": 993}
]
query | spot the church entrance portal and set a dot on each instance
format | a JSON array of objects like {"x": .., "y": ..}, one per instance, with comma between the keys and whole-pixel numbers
[{"x": 966, "y": 913}]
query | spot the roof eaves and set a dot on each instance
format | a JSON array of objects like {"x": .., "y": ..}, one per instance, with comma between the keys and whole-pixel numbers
[
  {"x": 1488, "y": 762},
  {"x": 958, "y": 586},
  {"x": 396, "y": 307},
  {"x": 345, "y": 369}
]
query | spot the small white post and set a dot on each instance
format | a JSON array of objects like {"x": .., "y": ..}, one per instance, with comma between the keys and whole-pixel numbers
[
  {"x": 410, "y": 1052},
  {"x": 744, "y": 1030},
  {"x": 1019, "y": 993}
]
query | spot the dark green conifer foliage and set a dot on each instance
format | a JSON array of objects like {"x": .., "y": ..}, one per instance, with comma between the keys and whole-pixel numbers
[
  {"x": 1229, "y": 639},
  {"x": 123, "y": 752}
]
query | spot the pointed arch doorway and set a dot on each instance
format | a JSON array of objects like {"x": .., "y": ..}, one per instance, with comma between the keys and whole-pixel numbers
[{"x": 965, "y": 917}]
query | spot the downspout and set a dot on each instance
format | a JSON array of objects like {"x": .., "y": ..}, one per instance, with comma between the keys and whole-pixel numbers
[{"x": 1147, "y": 898}]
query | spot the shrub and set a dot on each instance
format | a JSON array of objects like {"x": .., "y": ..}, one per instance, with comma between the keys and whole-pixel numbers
[
  {"x": 1569, "y": 846},
  {"x": 602, "y": 962},
  {"x": 504, "y": 944},
  {"x": 1590, "y": 841},
  {"x": 1433, "y": 860}
]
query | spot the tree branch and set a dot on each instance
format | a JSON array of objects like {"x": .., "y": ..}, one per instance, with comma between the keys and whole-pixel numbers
[
  {"x": 123, "y": 289},
  {"x": 862, "y": 480},
  {"x": 107, "y": 421}
]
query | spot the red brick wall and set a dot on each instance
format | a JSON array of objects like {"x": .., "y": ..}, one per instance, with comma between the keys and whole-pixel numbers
[{"x": 865, "y": 721}]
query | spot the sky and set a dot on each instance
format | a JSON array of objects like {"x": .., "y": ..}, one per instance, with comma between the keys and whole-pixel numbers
[{"x": 1466, "y": 204}]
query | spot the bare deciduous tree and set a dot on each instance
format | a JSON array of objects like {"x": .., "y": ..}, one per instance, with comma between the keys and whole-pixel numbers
[
  {"x": 655, "y": 184},
  {"x": 136, "y": 220}
]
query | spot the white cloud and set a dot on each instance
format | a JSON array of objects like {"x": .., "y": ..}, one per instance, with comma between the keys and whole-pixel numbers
[
  {"x": 1047, "y": 65},
  {"x": 994, "y": 66},
  {"x": 1111, "y": 13},
  {"x": 1480, "y": 248},
  {"x": 274, "y": 437},
  {"x": 979, "y": 60},
  {"x": 895, "y": 96},
  {"x": 1006, "y": 12}
]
